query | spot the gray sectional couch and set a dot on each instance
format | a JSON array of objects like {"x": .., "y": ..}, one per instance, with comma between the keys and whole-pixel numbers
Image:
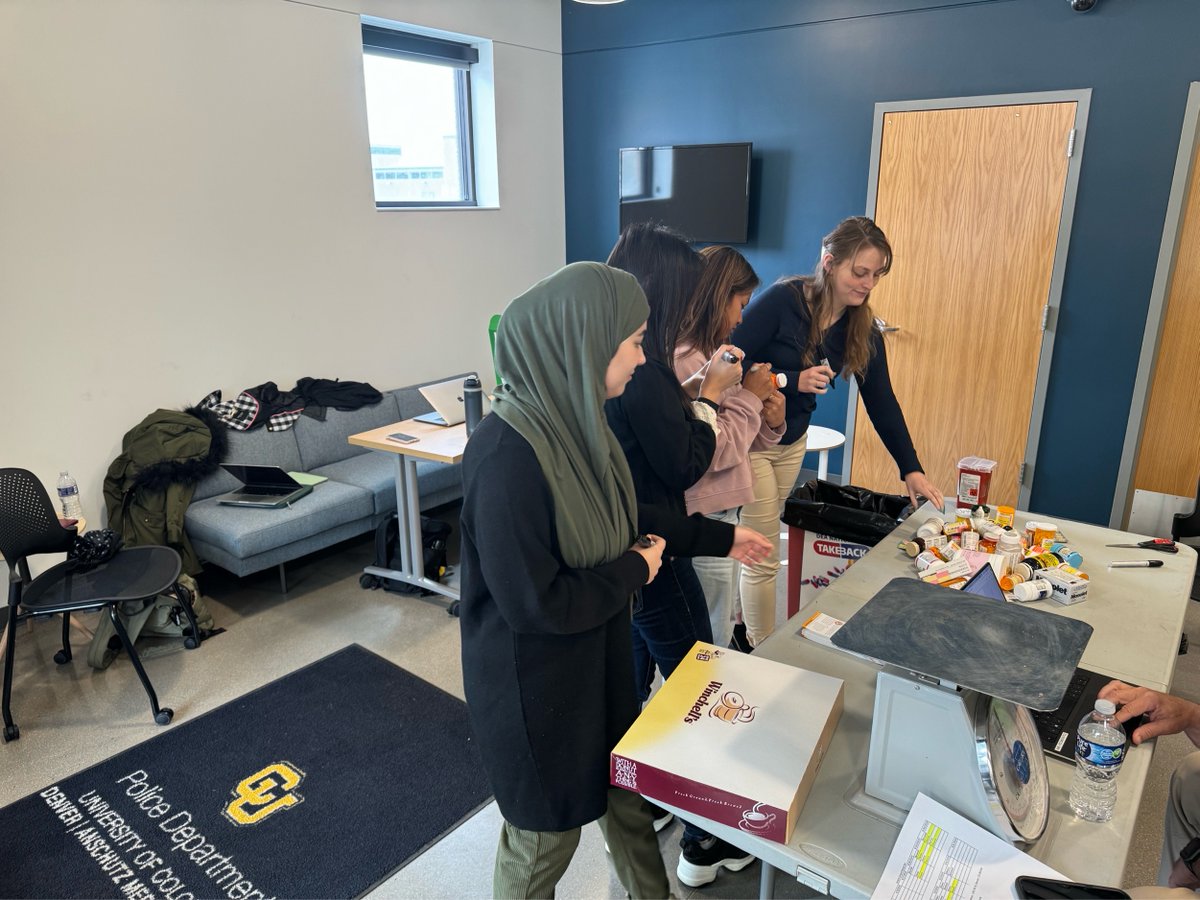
[{"x": 359, "y": 494}]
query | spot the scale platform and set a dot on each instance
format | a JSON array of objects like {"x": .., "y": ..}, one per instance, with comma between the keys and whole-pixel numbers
[
  {"x": 957, "y": 725},
  {"x": 1018, "y": 654}
]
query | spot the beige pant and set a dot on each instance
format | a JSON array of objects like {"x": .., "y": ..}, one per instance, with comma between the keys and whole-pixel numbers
[
  {"x": 719, "y": 577},
  {"x": 775, "y": 471},
  {"x": 1182, "y": 820},
  {"x": 530, "y": 863}
]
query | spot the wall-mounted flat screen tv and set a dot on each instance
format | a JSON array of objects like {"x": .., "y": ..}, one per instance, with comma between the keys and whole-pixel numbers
[{"x": 701, "y": 190}]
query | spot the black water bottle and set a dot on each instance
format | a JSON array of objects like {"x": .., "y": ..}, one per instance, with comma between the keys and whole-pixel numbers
[{"x": 472, "y": 402}]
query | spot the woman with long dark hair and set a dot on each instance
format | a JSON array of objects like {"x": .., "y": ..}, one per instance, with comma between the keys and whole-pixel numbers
[
  {"x": 815, "y": 328},
  {"x": 669, "y": 441},
  {"x": 750, "y": 417}
]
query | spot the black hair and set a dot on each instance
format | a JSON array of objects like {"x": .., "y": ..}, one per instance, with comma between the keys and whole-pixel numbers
[{"x": 668, "y": 270}]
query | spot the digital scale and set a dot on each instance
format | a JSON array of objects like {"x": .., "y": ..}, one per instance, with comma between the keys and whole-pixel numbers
[{"x": 952, "y": 719}]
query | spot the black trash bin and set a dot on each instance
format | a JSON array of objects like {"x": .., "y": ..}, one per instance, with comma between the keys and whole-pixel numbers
[{"x": 845, "y": 512}]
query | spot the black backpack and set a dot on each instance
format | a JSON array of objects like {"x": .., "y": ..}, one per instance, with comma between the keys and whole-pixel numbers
[{"x": 435, "y": 534}]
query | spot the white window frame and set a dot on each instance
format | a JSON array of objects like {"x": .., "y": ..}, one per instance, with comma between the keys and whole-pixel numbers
[{"x": 472, "y": 58}]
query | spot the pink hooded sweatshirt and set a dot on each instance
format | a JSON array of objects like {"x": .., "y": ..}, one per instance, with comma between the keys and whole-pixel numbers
[{"x": 729, "y": 481}]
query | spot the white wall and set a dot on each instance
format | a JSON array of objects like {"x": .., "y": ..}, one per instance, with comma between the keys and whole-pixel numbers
[{"x": 185, "y": 188}]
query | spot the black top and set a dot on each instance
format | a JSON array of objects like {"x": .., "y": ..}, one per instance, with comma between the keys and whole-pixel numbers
[
  {"x": 668, "y": 449},
  {"x": 546, "y": 649},
  {"x": 775, "y": 329}
]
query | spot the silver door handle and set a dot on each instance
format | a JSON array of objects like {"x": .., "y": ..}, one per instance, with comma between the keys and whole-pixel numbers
[{"x": 884, "y": 327}]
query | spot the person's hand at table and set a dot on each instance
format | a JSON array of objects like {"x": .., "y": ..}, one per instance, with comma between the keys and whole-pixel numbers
[
  {"x": 749, "y": 546},
  {"x": 918, "y": 484},
  {"x": 1165, "y": 714}
]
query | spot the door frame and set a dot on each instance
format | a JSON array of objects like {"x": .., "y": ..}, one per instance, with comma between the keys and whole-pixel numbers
[
  {"x": 1082, "y": 100},
  {"x": 1187, "y": 156}
]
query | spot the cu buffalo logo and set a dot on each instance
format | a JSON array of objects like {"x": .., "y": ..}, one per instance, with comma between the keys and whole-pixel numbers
[
  {"x": 264, "y": 793},
  {"x": 733, "y": 709}
]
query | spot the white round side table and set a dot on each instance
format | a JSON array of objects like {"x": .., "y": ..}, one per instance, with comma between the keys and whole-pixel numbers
[{"x": 821, "y": 440}]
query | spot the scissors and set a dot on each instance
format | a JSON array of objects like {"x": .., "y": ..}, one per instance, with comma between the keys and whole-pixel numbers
[{"x": 1161, "y": 544}]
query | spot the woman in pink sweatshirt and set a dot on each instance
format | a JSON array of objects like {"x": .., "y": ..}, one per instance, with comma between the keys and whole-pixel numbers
[{"x": 749, "y": 417}]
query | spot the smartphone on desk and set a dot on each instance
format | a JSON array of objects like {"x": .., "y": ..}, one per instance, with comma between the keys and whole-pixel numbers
[
  {"x": 1035, "y": 888},
  {"x": 401, "y": 438}
]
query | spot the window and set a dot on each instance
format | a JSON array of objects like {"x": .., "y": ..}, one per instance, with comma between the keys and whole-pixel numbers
[{"x": 419, "y": 118}]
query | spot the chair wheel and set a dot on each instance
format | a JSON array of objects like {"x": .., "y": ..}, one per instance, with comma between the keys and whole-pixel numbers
[
  {"x": 62, "y": 657},
  {"x": 164, "y": 716},
  {"x": 11, "y": 733},
  {"x": 368, "y": 582},
  {"x": 190, "y": 643}
]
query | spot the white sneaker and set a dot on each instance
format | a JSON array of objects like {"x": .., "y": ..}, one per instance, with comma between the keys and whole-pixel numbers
[{"x": 698, "y": 865}]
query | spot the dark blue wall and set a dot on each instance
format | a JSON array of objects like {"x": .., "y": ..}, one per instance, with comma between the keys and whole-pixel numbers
[{"x": 801, "y": 81}]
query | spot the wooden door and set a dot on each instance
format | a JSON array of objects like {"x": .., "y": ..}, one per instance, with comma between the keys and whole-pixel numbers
[
  {"x": 971, "y": 201},
  {"x": 1169, "y": 459}
]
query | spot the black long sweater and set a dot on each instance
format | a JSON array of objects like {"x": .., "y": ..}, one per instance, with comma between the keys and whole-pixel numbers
[
  {"x": 775, "y": 329},
  {"x": 668, "y": 449},
  {"x": 546, "y": 649}
]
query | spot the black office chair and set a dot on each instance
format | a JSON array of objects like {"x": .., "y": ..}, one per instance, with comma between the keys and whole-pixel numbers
[
  {"x": 133, "y": 577},
  {"x": 1185, "y": 526}
]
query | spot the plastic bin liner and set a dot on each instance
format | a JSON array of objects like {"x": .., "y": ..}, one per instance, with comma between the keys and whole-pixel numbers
[{"x": 845, "y": 512}]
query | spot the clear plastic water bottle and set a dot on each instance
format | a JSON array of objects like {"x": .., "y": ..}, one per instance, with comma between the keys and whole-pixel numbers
[
  {"x": 68, "y": 495},
  {"x": 1099, "y": 752}
]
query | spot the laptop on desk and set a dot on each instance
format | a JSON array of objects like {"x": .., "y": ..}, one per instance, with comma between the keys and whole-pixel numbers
[
  {"x": 446, "y": 398},
  {"x": 264, "y": 487}
]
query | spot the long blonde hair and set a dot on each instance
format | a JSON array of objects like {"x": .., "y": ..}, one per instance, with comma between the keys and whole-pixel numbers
[
  {"x": 726, "y": 273},
  {"x": 843, "y": 243}
]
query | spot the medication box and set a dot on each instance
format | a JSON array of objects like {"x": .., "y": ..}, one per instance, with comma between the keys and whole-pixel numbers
[
  {"x": 732, "y": 737},
  {"x": 1065, "y": 587}
]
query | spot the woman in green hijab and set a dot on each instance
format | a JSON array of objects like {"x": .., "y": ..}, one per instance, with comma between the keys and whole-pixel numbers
[{"x": 549, "y": 563}]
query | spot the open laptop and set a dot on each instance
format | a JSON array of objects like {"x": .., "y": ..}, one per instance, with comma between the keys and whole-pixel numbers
[
  {"x": 985, "y": 584},
  {"x": 446, "y": 398},
  {"x": 265, "y": 487}
]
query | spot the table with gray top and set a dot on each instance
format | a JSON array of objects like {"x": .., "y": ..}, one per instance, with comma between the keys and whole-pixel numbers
[{"x": 843, "y": 838}]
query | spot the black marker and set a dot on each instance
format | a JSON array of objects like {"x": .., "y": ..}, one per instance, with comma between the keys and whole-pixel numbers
[
  {"x": 1136, "y": 564},
  {"x": 832, "y": 381}
]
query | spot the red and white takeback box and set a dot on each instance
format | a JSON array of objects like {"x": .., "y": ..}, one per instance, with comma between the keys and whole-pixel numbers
[{"x": 733, "y": 737}]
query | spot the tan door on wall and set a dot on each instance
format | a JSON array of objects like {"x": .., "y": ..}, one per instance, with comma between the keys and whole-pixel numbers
[
  {"x": 1169, "y": 457},
  {"x": 971, "y": 201}
]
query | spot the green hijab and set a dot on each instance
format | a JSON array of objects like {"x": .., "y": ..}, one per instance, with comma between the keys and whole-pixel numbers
[{"x": 553, "y": 348}]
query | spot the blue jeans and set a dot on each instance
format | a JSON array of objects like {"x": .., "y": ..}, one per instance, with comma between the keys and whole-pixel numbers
[{"x": 669, "y": 617}]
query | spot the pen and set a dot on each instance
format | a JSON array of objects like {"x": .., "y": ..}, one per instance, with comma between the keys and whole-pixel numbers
[{"x": 1136, "y": 564}]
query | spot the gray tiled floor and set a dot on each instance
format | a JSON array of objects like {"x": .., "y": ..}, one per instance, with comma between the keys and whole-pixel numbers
[{"x": 72, "y": 717}]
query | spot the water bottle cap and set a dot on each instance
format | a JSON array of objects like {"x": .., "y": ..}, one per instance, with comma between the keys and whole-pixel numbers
[{"x": 1105, "y": 707}]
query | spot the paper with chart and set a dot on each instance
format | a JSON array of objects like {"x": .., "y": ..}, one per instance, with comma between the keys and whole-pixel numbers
[{"x": 942, "y": 856}]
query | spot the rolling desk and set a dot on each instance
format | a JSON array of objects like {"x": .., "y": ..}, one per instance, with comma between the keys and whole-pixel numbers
[
  {"x": 843, "y": 838},
  {"x": 437, "y": 443}
]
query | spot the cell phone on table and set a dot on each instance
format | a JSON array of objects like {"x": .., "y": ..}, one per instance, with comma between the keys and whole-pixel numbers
[
  {"x": 1034, "y": 888},
  {"x": 401, "y": 437}
]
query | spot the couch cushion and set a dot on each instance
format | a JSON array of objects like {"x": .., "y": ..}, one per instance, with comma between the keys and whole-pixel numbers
[
  {"x": 257, "y": 447},
  {"x": 376, "y": 472},
  {"x": 245, "y": 531},
  {"x": 323, "y": 442}
]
